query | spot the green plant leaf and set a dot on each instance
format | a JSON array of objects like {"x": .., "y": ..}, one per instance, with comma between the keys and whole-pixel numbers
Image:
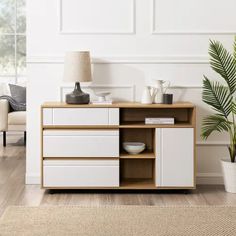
[
  {"x": 214, "y": 123},
  {"x": 217, "y": 96},
  {"x": 223, "y": 63}
]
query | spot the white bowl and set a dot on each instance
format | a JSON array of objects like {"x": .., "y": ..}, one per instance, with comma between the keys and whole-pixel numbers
[
  {"x": 102, "y": 95},
  {"x": 133, "y": 147}
]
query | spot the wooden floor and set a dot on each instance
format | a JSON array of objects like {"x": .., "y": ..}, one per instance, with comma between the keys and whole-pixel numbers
[{"x": 13, "y": 191}]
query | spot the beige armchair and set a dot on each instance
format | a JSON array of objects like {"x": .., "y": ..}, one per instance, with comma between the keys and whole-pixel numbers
[{"x": 11, "y": 121}]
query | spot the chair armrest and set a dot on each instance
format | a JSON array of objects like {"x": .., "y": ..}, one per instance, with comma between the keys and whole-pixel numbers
[{"x": 4, "y": 109}]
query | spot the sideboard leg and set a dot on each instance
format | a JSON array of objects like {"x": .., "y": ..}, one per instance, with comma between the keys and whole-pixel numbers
[
  {"x": 4, "y": 139},
  {"x": 186, "y": 191},
  {"x": 24, "y": 137}
]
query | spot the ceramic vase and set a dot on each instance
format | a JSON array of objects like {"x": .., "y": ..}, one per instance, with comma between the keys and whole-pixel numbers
[{"x": 146, "y": 96}]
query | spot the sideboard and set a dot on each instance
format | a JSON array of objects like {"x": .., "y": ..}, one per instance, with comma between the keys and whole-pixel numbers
[{"x": 82, "y": 146}]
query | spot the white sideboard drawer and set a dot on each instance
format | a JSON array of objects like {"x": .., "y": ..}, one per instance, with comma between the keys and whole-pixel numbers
[
  {"x": 81, "y": 143},
  {"x": 80, "y": 116},
  {"x": 81, "y": 173}
]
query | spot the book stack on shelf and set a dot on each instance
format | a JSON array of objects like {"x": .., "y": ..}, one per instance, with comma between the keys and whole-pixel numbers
[{"x": 160, "y": 121}]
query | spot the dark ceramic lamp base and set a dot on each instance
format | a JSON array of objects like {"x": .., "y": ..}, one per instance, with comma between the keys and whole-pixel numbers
[{"x": 77, "y": 96}]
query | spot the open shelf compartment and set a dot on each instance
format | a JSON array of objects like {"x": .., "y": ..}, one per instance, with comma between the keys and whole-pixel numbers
[
  {"x": 137, "y": 173},
  {"x": 134, "y": 183},
  {"x": 136, "y": 116},
  {"x": 146, "y": 136}
]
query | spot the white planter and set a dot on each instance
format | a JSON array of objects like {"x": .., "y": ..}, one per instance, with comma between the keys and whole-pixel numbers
[{"x": 229, "y": 173}]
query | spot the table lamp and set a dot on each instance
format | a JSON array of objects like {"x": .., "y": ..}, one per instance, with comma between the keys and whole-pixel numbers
[{"x": 77, "y": 69}]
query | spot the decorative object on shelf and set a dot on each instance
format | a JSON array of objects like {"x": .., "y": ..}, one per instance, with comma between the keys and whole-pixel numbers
[
  {"x": 148, "y": 95},
  {"x": 221, "y": 97},
  {"x": 77, "y": 69},
  {"x": 160, "y": 121},
  {"x": 167, "y": 98},
  {"x": 134, "y": 147},
  {"x": 102, "y": 98},
  {"x": 160, "y": 90}
]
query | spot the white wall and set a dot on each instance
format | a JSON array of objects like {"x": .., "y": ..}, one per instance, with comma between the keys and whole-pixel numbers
[{"x": 131, "y": 41}]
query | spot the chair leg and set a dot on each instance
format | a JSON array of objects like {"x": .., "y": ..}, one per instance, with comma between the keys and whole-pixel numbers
[
  {"x": 25, "y": 137},
  {"x": 4, "y": 139}
]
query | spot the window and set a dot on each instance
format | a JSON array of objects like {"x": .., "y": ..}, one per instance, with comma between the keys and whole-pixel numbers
[{"x": 12, "y": 41}]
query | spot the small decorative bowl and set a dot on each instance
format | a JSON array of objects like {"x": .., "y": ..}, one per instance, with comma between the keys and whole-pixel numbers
[
  {"x": 102, "y": 95},
  {"x": 133, "y": 147}
]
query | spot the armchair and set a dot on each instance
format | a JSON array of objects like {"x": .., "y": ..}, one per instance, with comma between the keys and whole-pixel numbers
[{"x": 11, "y": 121}]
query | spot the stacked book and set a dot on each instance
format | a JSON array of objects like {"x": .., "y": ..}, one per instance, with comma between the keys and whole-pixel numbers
[{"x": 160, "y": 121}]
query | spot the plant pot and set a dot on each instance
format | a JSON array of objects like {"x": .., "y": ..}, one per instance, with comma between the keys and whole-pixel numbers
[{"x": 229, "y": 173}]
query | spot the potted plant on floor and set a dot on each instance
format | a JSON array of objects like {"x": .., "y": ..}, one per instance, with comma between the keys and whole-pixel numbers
[{"x": 221, "y": 97}]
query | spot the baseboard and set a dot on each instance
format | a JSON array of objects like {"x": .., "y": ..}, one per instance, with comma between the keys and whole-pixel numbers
[
  {"x": 32, "y": 178},
  {"x": 209, "y": 179},
  {"x": 202, "y": 178}
]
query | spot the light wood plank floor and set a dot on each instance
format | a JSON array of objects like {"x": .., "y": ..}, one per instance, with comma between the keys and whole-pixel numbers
[{"x": 13, "y": 191}]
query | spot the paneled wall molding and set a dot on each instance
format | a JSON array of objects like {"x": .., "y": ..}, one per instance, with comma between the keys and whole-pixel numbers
[
  {"x": 132, "y": 90},
  {"x": 128, "y": 90},
  {"x": 104, "y": 86},
  {"x": 156, "y": 31},
  {"x": 122, "y": 65},
  {"x": 212, "y": 143},
  {"x": 131, "y": 30},
  {"x": 175, "y": 59},
  {"x": 97, "y": 86}
]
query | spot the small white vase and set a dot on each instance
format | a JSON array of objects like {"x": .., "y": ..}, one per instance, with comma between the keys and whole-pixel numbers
[
  {"x": 229, "y": 173},
  {"x": 146, "y": 96}
]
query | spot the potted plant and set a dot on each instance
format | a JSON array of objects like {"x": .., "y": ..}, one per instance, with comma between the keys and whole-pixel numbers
[{"x": 221, "y": 97}]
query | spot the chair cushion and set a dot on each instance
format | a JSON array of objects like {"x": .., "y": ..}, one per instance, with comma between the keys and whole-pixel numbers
[
  {"x": 17, "y": 118},
  {"x": 18, "y": 93}
]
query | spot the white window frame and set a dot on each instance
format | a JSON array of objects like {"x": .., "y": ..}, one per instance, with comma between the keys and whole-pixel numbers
[{"x": 15, "y": 34}]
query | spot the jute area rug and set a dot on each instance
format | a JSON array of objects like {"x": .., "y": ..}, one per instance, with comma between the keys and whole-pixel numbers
[{"x": 119, "y": 220}]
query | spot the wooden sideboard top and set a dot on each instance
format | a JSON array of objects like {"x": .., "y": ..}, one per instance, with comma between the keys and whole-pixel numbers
[{"x": 119, "y": 105}]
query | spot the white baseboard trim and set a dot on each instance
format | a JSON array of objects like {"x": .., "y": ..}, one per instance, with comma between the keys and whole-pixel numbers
[
  {"x": 202, "y": 178},
  {"x": 32, "y": 178}
]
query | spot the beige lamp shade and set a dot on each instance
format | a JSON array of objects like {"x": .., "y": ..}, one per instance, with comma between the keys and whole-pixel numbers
[{"x": 77, "y": 67}]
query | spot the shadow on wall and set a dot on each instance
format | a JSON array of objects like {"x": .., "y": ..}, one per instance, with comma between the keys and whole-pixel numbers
[
  {"x": 194, "y": 95},
  {"x": 179, "y": 93}
]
